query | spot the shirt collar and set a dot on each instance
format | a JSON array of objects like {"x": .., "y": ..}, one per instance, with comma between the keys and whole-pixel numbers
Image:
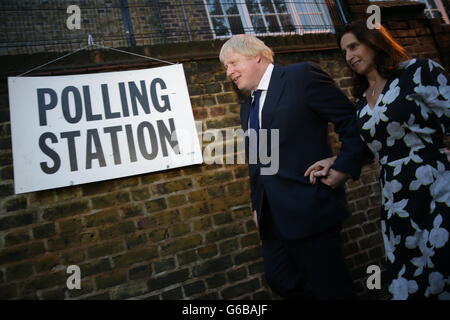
[{"x": 265, "y": 80}]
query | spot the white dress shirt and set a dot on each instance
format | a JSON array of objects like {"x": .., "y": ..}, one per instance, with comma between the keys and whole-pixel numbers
[{"x": 263, "y": 86}]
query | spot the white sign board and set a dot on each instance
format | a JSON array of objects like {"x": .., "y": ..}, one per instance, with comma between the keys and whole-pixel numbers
[{"x": 69, "y": 130}]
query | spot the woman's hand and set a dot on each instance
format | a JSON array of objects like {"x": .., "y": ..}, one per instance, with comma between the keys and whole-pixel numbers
[
  {"x": 447, "y": 153},
  {"x": 446, "y": 149},
  {"x": 319, "y": 169}
]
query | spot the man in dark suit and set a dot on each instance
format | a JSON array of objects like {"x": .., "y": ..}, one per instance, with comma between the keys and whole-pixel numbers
[{"x": 299, "y": 222}]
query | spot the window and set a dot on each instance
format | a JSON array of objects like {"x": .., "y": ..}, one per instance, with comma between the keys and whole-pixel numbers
[
  {"x": 268, "y": 17},
  {"x": 434, "y": 9}
]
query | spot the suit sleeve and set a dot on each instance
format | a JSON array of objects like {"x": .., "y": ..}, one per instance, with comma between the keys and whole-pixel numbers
[{"x": 330, "y": 103}]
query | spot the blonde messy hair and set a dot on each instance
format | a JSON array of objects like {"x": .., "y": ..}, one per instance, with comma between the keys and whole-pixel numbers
[{"x": 246, "y": 45}]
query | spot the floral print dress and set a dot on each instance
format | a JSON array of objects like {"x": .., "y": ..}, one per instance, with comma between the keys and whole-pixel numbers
[{"x": 405, "y": 130}]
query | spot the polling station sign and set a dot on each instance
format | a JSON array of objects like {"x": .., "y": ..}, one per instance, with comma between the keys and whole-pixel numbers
[{"x": 69, "y": 130}]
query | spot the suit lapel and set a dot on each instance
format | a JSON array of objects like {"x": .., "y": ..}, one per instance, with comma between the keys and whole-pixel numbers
[{"x": 276, "y": 88}]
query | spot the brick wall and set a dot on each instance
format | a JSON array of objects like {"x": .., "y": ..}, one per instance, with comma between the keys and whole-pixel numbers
[
  {"x": 40, "y": 25},
  {"x": 424, "y": 38},
  {"x": 358, "y": 8},
  {"x": 185, "y": 20},
  {"x": 179, "y": 234}
]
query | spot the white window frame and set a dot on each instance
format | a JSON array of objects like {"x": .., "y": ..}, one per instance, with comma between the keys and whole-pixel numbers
[
  {"x": 440, "y": 8},
  {"x": 295, "y": 13},
  {"x": 292, "y": 11}
]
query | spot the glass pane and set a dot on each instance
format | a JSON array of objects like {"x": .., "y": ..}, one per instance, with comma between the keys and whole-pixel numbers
[
  {"x": 432, "y": 4},
  {"x": 317, "y": 20},
  {"x": 437, "y": 14},
  {"x": 267, "y": 6},
  {"x": 306, "y": 21},
  {"x": 315, "y": 6},
  {"x": 301, "y": 7},
  {"x": 273, "y": 23},
  {"x": 281, "y": 6},
  {"x": 236, "y": 25},
  {"x": 286, "y": 22},
  {"x": 252, "y": 6},
  {"x": 220, "y": 26},
  {"x": 230, "y": 7},
  {"x": 214, "y": 7},
  {"x": 258, "y": 24}
]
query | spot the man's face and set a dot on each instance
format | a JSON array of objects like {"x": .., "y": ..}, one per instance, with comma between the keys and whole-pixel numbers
[{"x": 243, "y": 70}]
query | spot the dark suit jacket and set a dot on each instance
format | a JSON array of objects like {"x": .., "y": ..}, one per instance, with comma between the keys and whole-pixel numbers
[{"x": 300, "y": 101}]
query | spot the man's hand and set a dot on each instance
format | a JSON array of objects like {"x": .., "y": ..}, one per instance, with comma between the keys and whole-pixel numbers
[
  {"x": 255, "y": 219},
  {"x": 319, "y": 169},
  {"x": 335, "y": 178},
  {"x": 322, "y": 170}
]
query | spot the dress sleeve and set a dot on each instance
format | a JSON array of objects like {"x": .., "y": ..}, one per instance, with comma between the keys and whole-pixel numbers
[{"x": 432, "y": 85}]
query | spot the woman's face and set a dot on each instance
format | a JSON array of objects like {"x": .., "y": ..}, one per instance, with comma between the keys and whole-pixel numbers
[{"x": 359, "y": 56}]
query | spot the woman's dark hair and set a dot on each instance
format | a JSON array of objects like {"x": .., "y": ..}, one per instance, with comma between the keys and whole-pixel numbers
[{"x": 388, "y": 53}]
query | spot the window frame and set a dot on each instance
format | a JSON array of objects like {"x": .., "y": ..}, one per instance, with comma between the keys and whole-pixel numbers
[
  {"x": 439, "y": 8},
  {"x": 292, "y": 11}
]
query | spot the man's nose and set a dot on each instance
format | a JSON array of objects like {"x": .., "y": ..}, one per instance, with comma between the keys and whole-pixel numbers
[{"x": 230, "y": 71}]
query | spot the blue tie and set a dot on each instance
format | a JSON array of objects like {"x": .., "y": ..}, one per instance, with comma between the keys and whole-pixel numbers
[
  {"x": 254, "y": 111},
  {"x": 254, "y": 122}
]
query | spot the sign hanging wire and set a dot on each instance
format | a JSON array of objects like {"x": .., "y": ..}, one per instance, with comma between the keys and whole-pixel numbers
[{"x": 91, "y": 43}]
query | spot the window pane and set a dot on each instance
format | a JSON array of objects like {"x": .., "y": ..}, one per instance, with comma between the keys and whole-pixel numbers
[
  {"x": 305, "y": 19},
  {"x": 428, "y": 14},
  {"x": 302, "y": 8},
  {"x": 258, "y": 24},
  {"x": 230, "y": 7},
  {"x": 252, "y": 6},
  {"x": 317, "y": 19},
  {"x": 236, "y": 25},
  {"x": 273, "y": 24},
  {"x": 214, "y": 7},
  {"x": 286, "y": 22},
  {"x": 220, "y": 26},
  {"x": 437, "y": 14},
  {"x": 267, "y": 6},
  {"x": 281, "y": 6},
  {"x": 432, "y": 4}
]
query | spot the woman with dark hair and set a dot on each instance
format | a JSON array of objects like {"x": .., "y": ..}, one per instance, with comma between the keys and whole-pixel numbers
[{"x": 403, "y": 111}]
